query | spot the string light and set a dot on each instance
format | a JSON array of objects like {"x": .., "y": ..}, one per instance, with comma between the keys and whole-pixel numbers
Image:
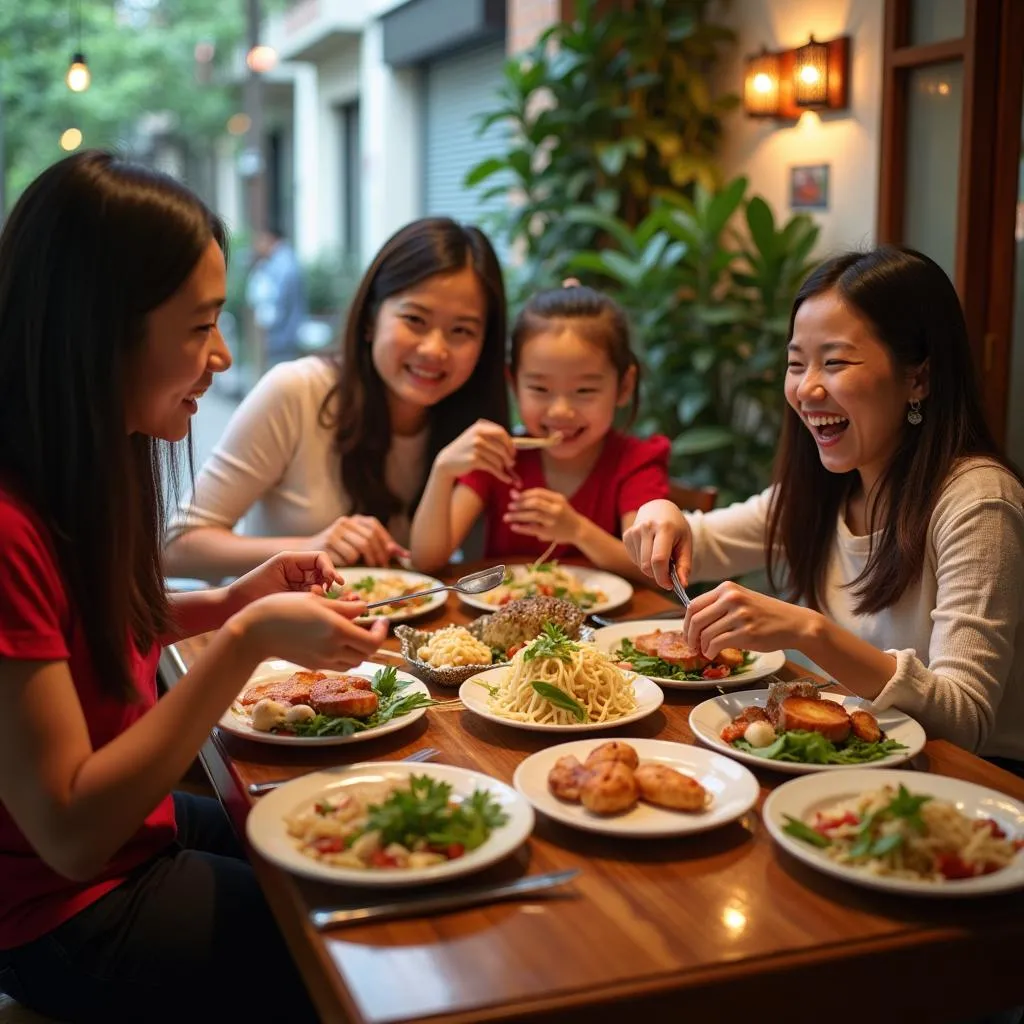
[
  {"x": 78, "y": 76},
  {"x": 71, "y": 139}
]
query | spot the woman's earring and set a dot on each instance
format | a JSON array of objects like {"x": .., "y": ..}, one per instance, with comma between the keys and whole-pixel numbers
[{"x": 914, "y": 416}]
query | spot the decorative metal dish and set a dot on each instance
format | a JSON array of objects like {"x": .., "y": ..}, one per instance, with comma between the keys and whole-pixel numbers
[{"x": 412, "y": 640}]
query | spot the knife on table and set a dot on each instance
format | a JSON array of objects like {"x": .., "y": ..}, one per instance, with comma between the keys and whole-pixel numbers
[{"x": 417, "y": 906}]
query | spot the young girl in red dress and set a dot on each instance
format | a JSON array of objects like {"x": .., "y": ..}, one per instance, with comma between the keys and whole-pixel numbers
[
  {"x": 120, "y": 899},
  {"x": 572, "y": 368}
]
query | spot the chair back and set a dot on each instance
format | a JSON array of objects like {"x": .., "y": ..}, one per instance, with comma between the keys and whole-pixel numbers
[{"x": 692, "y": 499}]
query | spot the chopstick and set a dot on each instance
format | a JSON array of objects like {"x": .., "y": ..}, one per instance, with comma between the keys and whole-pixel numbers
[
  {"x": 543, "y": 558},
  {"x": 524, "y": 443}
]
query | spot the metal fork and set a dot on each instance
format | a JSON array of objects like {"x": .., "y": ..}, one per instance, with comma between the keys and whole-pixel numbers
[
  {"x": 259, "y": 788},
  {"x": 677, "y": 586}
]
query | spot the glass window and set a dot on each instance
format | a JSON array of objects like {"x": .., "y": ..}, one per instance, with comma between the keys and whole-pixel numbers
[
  {"x": 934, "y": 102},
  {"x": 932, "y": 21}
]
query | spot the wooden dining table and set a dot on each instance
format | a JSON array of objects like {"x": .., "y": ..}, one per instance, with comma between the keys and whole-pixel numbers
[{"x": 716, "y": 927}]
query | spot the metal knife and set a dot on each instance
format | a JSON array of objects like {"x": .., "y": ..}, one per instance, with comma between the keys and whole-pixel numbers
[
  {"x": 325, "y": 917},
  {"x": 677, "y": 586},
  {"x": 671, "y": 613}
]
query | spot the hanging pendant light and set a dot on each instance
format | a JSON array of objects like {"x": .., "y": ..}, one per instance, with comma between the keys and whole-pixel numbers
[{"x": 78, "y": 76}]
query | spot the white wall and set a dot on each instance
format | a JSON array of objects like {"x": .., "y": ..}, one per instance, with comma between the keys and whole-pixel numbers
[{"x": 848, "y": 140}]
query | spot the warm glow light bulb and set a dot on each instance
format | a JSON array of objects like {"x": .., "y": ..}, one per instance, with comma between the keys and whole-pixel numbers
[
  {"x": 71, "y": 139},
  {"x": 762, "y": 83},
  {"x": 809, "y": 74},
  {"x": 261, "y": 58},
  {"x": 78, "y": 77}
]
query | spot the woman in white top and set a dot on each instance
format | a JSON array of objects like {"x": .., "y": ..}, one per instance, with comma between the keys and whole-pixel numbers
[
  {"x": 331, "y": 453},
  {"x": 894, "y": 526}
]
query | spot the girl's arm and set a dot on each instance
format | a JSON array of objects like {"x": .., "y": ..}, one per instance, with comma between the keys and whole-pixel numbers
[
  {"x": 257, "y": 447},
  {"x": 448, "y": 509},
  {"x": 445, "y": 515},
  {"x": 197, "y": 612},
  {"x": 78, "y": 806},
  {"x": 605, "y": 551}
]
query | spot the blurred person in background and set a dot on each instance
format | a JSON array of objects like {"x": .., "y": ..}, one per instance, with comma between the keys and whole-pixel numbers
[{"x": 277, "y": 295}]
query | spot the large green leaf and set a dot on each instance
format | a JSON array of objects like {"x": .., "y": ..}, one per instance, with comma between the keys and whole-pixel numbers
[
  {"x": 701, "y": 440},
  {"x": 762, "y": 226}
]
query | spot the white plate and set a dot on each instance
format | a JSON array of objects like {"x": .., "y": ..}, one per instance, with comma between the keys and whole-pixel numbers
[
  {"x": 707, "y": 720},
  {"x": 617, "y": 590},
  {"x": 404, "y": 612},
  {"x": 733, "y": 790},
  {"x": 267, "y": 832},
  {"x": 609, "y": 638},
  {"x": 473, "y": 693},
  {"x": 237, "y": 722},
  {"x": 800, "y": 797}
]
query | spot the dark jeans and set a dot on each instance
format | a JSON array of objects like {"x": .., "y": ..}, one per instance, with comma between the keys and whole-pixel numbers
[{"x": 187, "y": 937}]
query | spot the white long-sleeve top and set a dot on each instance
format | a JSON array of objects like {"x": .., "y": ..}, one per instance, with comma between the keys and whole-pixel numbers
[
  {"x": 277, "y": 466},
  {"x": 957, "y": 633}
]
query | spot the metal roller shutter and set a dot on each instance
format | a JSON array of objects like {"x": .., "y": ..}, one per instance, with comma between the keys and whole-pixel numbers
[{"x": 458, "y": 89}]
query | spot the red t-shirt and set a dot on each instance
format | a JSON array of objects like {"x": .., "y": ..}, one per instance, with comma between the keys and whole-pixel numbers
[
  {"x": 628, "y": 472},
  {"x": 38, "y": 623}
]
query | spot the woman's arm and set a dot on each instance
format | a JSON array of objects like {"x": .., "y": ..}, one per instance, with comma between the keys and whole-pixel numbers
[
  {"x": 197, "y": 612},
  {"x": 77, "y": 805},
  {"x": 978, "y": 610}
]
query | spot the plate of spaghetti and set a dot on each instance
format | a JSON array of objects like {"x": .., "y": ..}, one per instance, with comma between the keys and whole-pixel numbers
[
  {"x": 593, "y": 590},
  {"x": 899, "y": 831},
  {"x": 555, "y": 684},
  {"x": 374, "y": 584}
]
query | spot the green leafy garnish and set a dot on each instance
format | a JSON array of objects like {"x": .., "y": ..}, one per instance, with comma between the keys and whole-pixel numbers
[
  {"x": 553, "y": 642},
  {"x": 561, "y": 699},
  {"x": 649, "y": 665},
  {"x": 366, "y": 583},
  {"x": 805, "y": 747},
  {"x": 544, "y": 566},
  {"x": 425, "y": 812},
  {"x": 491, "y": 690},
  {"x": 800, "y": 830},
  {"x": 391, "y": 703}
]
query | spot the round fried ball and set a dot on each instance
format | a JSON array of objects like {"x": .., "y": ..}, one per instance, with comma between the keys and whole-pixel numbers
[
  {"x": 609, "y": 788},
  {"x": 664, "y": 786},
  {"x": 614, "y": 750},
  {"x": 566, "y": 778}
]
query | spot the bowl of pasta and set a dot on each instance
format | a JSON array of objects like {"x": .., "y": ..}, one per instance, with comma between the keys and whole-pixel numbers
[
  {"x": 556, "y": 684},
  {"x": 901, "y": 831},
  {"x": 451, "y": 655}
]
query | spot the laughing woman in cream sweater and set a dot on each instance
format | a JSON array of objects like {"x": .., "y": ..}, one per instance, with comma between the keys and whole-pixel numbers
[{"x": 894, "y": 526}]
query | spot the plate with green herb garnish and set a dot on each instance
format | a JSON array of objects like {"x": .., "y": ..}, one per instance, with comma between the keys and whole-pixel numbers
[
  {"x": 558, "y": 684},
  {"x": 657, "y": 648},
  {"x": 287, "y": 705},
  {"x": 593, "y": 590},
  {"x": 389, "y": 823},
  {"x": 901, "y": 831},
  {"x": 376, "y": 584}
]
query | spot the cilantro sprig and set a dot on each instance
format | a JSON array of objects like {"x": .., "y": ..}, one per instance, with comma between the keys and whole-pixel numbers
[
  {"x": 391, "y": 703},
  {"x": 553, "y": 642}
]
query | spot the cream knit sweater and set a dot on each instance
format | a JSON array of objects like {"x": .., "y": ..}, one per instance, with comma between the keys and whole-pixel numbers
[{"x": 957, "y": 633}]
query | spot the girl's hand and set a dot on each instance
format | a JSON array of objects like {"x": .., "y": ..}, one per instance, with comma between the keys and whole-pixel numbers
[
  {"x": 546, "y": 515},
  {"x": 732, "y": 616},
  {"x": 484, "y": 445},
  {"x": 286, "y": 571},
  {"x": 659, "y": 534},
  {"x": 358, "y": 540},
  {"x": 309, "y": 630}
]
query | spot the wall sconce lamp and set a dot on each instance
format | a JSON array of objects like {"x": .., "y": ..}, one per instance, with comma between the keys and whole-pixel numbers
[
  {"x": 761, "y": 85},
  {"x": 784, "y": 84}
]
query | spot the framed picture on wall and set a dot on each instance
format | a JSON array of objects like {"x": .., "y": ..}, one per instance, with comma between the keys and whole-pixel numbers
[{"x": 808, "y": 187}]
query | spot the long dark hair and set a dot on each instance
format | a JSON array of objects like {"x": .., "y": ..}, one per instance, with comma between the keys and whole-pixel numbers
[
  {"x": 593, "y": 315},
  {"x": 913, "y": 309},
  {"x": 357, "y": 406},
  {"x": 92, "y": 246}
]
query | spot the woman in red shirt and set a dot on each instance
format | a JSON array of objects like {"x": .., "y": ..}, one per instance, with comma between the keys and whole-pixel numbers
[
  {"x": 119, "y": 900},
  {"x": 572, "y": 368}
]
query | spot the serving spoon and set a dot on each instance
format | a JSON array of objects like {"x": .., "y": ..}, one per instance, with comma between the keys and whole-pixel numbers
[{"x": 474, "y": 583}]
